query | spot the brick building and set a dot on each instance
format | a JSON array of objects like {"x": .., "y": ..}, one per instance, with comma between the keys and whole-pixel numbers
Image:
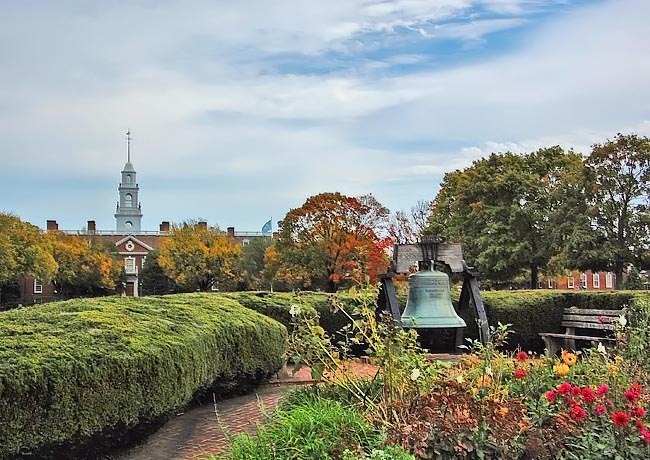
[{"x": 588, "y": 280}]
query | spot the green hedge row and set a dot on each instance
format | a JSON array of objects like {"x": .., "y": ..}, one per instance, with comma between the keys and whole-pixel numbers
[
  {"x": 533, "y": 311},
  {"x": 73, "y": 371}
]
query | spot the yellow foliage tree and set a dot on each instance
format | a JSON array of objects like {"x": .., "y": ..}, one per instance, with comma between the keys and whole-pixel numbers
[{"x": 199, "y": 257}]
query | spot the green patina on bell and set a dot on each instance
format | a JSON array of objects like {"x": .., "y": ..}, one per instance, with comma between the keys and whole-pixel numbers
[{"x": 429, "y": 302}]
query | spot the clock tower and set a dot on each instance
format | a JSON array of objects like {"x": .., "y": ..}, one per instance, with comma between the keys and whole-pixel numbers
[{"x": 129, "y": 212}]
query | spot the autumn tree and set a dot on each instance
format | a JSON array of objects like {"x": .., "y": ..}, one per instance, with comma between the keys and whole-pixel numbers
[
  {"x": 619, "y": 175},
  {"x": 407, "y": 227},
  {"x": 331, "y": 240},
  {"x": 252, "y": 265},
  {"x": 86, "y": 266},
  {"x": 503, "y": 210},
  {"x": 24, "y": 251},
  {"x": 196, "y": 256}
]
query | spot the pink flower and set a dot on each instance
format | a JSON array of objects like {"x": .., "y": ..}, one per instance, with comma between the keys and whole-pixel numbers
[
  {"x": 577, "y": 412},
  {"x": 600, "y": 409},
  {"x": 520, "y": 373},
  {"x": 620, "y": 418},
  {"x": 602, "y": 319},
  {"x": 576, "y": 390},
  {"x": 636, "y": 388},
  {"x": 602, "y": 390},
  {"x": 639, "y": 411},
  {"x": 646, "y": 436}
]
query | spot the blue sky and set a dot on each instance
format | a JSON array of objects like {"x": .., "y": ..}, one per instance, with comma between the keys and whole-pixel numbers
[{"x": 239, "y": 111}]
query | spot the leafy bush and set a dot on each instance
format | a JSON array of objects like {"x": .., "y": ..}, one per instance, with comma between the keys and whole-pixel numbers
[{"x": 71, "y": 371}]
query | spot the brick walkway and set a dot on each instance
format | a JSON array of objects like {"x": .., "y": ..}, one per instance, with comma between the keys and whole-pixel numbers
[{"x": 198, "y": 433}]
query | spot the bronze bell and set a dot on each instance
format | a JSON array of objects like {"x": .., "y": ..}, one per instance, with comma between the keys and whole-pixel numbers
[{"x": 429, "y": 302}]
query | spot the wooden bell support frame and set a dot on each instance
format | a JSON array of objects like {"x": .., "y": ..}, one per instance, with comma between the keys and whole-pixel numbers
[{"x": 405, "y": 256}]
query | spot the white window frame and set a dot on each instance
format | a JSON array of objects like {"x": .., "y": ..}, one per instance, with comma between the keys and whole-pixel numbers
[
  {"x": 38, "y": 287},
  {"x": 609, "y": 280},
  {"x": 130, "y": 267},
  {"x": 551, "y": 283},
  {"x": 583, "y": 281},
  {"x": 570, "y": 282},
  {"x": 596, "y": 280},
  {"x": 128, "y": 200}
]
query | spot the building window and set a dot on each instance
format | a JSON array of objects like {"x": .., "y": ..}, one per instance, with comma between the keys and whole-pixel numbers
[
  {"x": 609, "y": 280},
  {"x": 144, "y": 259},
  {"x": 596, "y": 280},
  {"x": 540, "y": 285},
  {"x": 583, "y": 281},
  {"x": 551, "y": 283},
  {"x": 38, "y": 287},
  {"x": 128, "y": 200},
  {"x": 128, "y": 178},
  {"x": 129, "y": 265},
  {"x": 570, "y": 283},
  {"x": 246, "y": 242}
]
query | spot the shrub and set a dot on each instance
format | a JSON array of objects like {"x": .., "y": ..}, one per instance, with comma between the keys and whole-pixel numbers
[
  {"x": 318, "y": 428},
  {"x": 71, "y": 371}
]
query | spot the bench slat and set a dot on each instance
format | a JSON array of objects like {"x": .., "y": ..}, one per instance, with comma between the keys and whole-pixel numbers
[
  {"x": 589, "y": 319},
  {"x": 589, "y": 311},
  {"x": 581, "y": 337},
  {"x": 587, "y": 325}
]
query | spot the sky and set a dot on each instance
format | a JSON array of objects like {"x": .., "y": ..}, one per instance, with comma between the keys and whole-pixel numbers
[{"x": 241, "y": 110}]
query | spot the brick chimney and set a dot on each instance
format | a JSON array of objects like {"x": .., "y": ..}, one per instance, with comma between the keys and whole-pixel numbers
[
  {"x": 230, "y": 232},
  {"x": 52, "y": 226},
  {"x": 91, "y": 227},
  {"x": 164, "y": 226}
]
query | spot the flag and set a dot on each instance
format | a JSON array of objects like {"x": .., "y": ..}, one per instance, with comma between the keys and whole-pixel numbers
[{"x": 266, "y": 228}]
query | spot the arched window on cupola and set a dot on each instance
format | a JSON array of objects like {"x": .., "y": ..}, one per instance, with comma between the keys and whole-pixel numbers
[
  {"x": 128, "y": 178},
  {"x": 128, "y": 200}
]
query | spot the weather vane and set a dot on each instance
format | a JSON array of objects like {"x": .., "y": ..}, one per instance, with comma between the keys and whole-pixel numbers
[{"x": 128, "y": 146}]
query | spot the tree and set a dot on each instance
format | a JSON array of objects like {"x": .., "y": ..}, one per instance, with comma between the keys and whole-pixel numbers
[
  {"x": 154, "y": 279},
  {"x": 619, "y": 172},
  {"x": 503, "y": 210},
  {"x": 198, "y": 257},
  {"x": 86, "y": 266},
  {"x": 331, "y": 239},
  {"x": 24, "y": 251},
  {"x": 633, "y": 281},
  {"x": 253, "y": 264},
  {"x": 406, "y": 228}
]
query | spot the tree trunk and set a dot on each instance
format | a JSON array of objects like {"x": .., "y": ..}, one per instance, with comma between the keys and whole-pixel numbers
[
  {"x": 534, "y": 277},
  {"x": 618, "y": 272}
]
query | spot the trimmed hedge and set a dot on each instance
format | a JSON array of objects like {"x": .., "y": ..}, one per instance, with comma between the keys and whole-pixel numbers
[
  {"x": 533, "y": 311},
  {"x": 73, "y": 371}
]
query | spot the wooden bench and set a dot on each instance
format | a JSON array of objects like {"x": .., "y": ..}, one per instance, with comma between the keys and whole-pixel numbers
[{"x": 583, "y": 318}]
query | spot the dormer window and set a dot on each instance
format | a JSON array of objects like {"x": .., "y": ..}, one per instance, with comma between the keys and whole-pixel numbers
[{"x": 128, "y": 200}]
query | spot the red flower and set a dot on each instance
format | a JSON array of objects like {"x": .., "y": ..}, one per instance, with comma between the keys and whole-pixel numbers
[
  {"x": 602, "y": 319},
  {"x": 551, "y": 395},
  {"x": 577, "y": 412},
  {"x": 602, "y": 390},
  {"x": 521, "y": 356},
  {"x": 576, "y": 390},
  {"x": 564, "y": 388},
  {"x": 588, "y": 394},
  {"x": 620, "y": 418},
  {"x": 520, "y": 373},
  {"x": 631, "y": 395},
  {"x": 635, "y": 388},
  {"x": 600, "y": 409},
  {"x": 639, "y": 411}
]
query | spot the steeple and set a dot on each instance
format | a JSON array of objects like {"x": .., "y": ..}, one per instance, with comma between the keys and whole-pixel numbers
[{"x": 128, "y": 213}]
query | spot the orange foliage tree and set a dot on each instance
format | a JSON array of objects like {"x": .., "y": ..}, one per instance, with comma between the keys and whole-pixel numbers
[
  {"x": 86, "y": 267},
  {"x": 332, "y": 240}
]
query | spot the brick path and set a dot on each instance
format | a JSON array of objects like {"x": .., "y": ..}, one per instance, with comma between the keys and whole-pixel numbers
[{"x": 198, "y": 433}]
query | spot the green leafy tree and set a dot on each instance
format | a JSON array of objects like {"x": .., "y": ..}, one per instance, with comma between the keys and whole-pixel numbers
[
  {"x": 506, "y": 210},
  {"x": 633, "y": 280},
  {"x": 330, "y": 241},
  {"x": 154, "y": 279},
  {"x": 253, "y": 264},
  {"x": 198, "y": 257},
  {"x": 619, "y": 174}
]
